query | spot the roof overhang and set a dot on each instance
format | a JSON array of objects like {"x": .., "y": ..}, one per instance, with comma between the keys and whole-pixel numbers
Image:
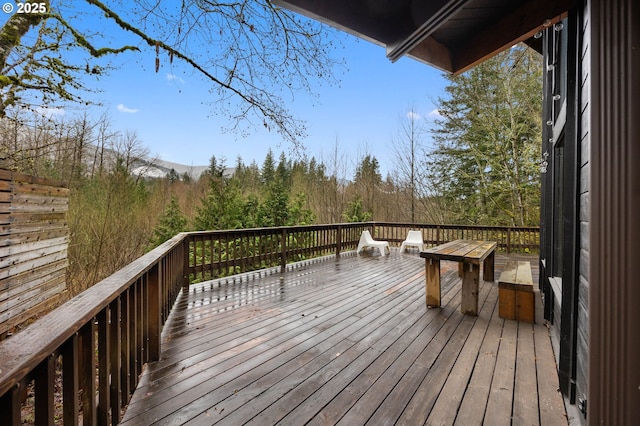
[{"x": 452, "y": 35}]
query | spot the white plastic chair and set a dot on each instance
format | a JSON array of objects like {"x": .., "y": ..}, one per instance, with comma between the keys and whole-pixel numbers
[
  {"x": 414, "y": 239},
  {"x": 366, "y": 240}
]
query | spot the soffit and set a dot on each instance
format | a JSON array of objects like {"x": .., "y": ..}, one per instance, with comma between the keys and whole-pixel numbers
[{"x": 452, "y": 35}]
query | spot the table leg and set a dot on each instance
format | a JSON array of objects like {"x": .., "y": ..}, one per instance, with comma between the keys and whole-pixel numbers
[
  {"x": 470, "y": 280},
  {"x": 488, "y": 266},
  {"x": 460, "y": 269},
  {"x": 432, "y": 272}
]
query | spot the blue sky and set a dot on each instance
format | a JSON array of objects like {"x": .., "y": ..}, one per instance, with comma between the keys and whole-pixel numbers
[{"x": 173, "y": 114}]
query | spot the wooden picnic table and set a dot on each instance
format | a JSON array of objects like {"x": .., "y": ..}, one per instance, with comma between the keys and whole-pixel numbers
[{"x": 469, "y": 254}]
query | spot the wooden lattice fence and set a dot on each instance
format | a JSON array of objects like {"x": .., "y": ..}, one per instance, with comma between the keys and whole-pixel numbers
[{"x": 34, "y": 236}]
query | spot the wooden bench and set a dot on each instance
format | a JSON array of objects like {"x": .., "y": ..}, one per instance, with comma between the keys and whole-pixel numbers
[{"x": 516, "y": 295}]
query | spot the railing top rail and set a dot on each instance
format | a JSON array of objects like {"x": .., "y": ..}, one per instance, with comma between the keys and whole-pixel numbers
[
  {"x": 439, "y": 225},
  {"x": 276, "y": 229},
  {"x": 22, "y": 353}
]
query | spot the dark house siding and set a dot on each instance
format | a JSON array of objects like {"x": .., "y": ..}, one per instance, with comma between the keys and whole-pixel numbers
[
  {"x": 565, "y": 200},
  {"x": 614, "y": 335},
  {"x": 584, "y": 173}
]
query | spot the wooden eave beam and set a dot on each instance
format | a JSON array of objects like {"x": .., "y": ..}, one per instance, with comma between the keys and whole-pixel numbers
[
  {"x": 513, "y": 28},
  {"x": 444, "y": 12},
  {"x": 433, "y": 53}
]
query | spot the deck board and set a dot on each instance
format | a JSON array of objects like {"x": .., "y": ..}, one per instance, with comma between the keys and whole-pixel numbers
[{"x": 345, "y": 341}]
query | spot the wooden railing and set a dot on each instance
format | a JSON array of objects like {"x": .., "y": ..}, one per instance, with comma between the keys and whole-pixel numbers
[
  {"x": 96, "y": 344},
  {"x": 213, "y": 254},
  {"x": 509, "y": 239}
]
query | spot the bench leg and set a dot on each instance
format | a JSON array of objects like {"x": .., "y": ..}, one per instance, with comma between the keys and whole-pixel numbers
[
  {"x": 432, "y": 273},
  {"x": 489, "y": 267},
  {"x": 470, "y": 280}
]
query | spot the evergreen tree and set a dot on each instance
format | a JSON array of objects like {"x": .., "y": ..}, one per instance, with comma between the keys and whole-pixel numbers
[
  {"x": 298, "y": 213},
  {"x": 268, "y": 170},
  {"x": 222, "y": 207},
  {"x": 170, "y": 223},
  {"x": 355, "y": 212},
  {"x": 367, "y": 182},
  {"x": 485, "y": 162}
]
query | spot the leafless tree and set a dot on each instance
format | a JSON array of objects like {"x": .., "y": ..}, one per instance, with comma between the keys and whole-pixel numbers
[
  {"x": 256, "y": 55},
  {"x": 407, "y": 148}
]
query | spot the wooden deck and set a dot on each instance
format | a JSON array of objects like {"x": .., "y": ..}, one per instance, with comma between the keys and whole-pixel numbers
[{"x": 347, "y": 341}]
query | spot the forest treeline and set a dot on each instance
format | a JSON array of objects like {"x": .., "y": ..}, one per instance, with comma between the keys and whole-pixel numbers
[{"x": 482, "y": 167}]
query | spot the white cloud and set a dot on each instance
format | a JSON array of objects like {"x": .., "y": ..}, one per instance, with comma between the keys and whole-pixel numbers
[
  {"x": 123, "y": 108},
  {"x": 50, "y": 112},
  {"x": 412, "y": 115},
  {"x": 173, "y": 77},
  {"x": 434, "y": 114}
]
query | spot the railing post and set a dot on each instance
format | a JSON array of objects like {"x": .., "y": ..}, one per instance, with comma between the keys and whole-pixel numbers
[
  {"x": 103, "y": 366},
  {"x": 88, "y": 374},
  {"x": 338, "y": 240},
  {"x": 154, "y": 285},
  {"x": 115, "y": 348},
  {"x": 185, "y": 262},
  {"x": 44, "y": 379},
  {"x": 283, "y": 251},
  {"x": 509, "y": 240},
  {"x": 70, "y": 380}
]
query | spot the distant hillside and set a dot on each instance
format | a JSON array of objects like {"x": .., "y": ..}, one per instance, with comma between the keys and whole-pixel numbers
[{"x": 156, "y": 168}]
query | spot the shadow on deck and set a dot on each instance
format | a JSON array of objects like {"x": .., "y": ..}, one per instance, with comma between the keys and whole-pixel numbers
[{"x": 347, "y": 341}]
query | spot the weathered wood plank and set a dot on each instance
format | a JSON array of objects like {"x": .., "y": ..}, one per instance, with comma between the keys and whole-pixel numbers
[
  {"x": 39, "y": 189},
  {"x": 9, "y": 175},
  {"x": 37, "y": 262},
  {"x": 450, "y": 398},
  {"x": 9, "y": 254},
  {"x": 34, "y": 234},
  {"x": 403, "y": 378},
  {"x": 525, "y": 392},
  {"x": 15, "y": 284},
  {"x": 550, "y": 400},
  {"x": 427, "y": 393},
  {"x": 18, "y": 198},
  {"x": 46, "y": 218},
  {"x": 33, "y": 208},
  {"x": 22, "y": 238},
  {"x": 33, "y": 312},
  {"x": 474, "y": 401},
  {"x": 498, "y": 411},
  {"x": 21, "y": 301},
  {"x": 517, "y": 272},
  {"x": 363, "y": 396},
  {"x": 37, "y": 297}
]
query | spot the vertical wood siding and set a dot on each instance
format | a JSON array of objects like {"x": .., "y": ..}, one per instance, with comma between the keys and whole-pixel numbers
[
  {"x": 33, "y": 246},
  {"x": 614, "y": 339}
]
